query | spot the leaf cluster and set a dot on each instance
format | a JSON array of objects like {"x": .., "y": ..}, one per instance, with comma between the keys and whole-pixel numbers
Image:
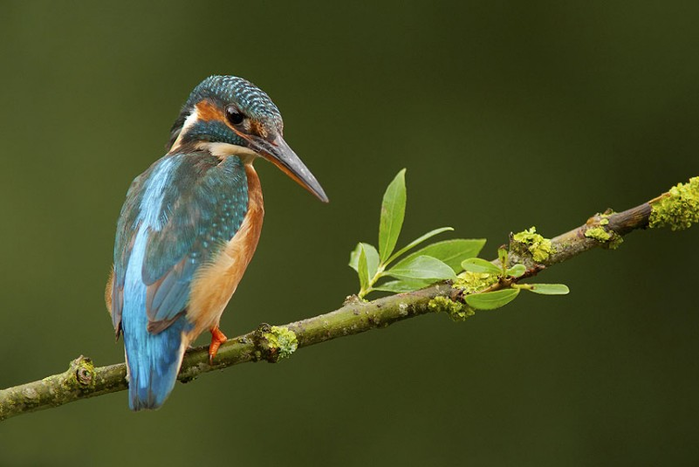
[
  {"x": 405, "y": 269},
  {"x": 387, "y": 270}
]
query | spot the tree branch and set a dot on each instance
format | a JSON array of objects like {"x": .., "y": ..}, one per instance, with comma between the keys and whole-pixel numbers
[{"x": 678, "y": 208}]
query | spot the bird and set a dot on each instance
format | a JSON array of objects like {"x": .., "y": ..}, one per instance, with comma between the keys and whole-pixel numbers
[{"x": 189, "y": 227}]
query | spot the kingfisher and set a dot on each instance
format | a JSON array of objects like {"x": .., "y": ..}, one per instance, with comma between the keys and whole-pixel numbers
[{"x": 189, "y": 228}]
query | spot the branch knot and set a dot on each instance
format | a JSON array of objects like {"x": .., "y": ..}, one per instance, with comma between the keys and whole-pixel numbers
[{"x": 84, "y": 371}]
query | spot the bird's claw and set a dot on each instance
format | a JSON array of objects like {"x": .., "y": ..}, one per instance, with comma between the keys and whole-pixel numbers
[{"x": 217, "y": 338}]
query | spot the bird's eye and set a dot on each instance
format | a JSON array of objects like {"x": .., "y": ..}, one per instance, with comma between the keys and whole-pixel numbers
[{"x": 234, "y": 116}]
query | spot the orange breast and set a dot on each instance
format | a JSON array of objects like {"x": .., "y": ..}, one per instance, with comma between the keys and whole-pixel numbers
[{"x": 214, "y": 285}]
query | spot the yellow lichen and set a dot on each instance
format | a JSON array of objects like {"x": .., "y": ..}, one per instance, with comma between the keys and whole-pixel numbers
[
  {"x": 457, "y": 311},
  {"x": 539, "y": 247},
  {"x": 678, "y": 208},
  {"x": 471, "y": 282},
  {"x": 615, "y": 242},
  {"x": 599, "y": 234},
  {"x": 282, "y": 341},
  {"x": 608, "y": 238}
]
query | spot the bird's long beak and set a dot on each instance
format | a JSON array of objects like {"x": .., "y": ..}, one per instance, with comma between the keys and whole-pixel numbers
[{"x": 281, "y": 155}]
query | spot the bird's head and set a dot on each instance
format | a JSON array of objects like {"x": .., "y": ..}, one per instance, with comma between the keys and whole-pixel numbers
[{"x": 227, "y": 115}]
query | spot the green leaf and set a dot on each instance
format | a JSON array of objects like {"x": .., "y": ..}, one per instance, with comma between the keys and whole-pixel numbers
[
  {"x": 492, "y": 300},
  {"x": 417, "y": 241},
  {"x": 354, "y": 257},
  {"x": 549, "y": 289},
  {"x": 451, "y": 252},
  {"x": 480, "y": 265},
  {"x": 422, "y": 268},
  {"x": 372, "y": 258},
  {"x": 502, "y": 256},
  {"x": 517, "y": 270},
  {"x": 392, "y": 215},
  {"x": 362, "y": 269},
  {"x": 402, "y": 286}
]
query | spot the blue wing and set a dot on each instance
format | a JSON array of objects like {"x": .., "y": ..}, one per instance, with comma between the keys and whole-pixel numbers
[
  {"x": 178, "y": 215},
  {"x": 191, "y": 205}
]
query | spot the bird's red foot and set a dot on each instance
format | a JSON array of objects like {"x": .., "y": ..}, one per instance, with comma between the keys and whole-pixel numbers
[{"x": 217, "y": 338}]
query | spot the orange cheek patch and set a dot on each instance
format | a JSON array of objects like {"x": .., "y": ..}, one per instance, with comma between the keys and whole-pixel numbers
[{"x": 208, "y": 111}]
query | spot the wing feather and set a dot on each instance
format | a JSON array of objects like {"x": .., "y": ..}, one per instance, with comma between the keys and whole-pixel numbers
[{"x": 202, "y": 205}]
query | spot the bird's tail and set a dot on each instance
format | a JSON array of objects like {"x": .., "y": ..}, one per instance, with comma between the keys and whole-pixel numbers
[{"x": 153, "y": 360}]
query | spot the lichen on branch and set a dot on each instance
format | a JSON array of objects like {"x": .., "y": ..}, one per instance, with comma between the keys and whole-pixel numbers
[
  {"x": 281, "y": 341},
  {"x": 678, "y": 208},
  {"x": 456, "y": 310},
  {"x": 534, "y": 244},
  {"x": 605, "y": 236}
]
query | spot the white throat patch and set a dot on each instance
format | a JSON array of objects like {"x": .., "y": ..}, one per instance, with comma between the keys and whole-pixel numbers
[
  {"x": 188, "y": 123},
  {"x": 226, "y": 149}
]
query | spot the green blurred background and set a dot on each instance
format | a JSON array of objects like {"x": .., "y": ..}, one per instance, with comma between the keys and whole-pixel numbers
[{"x": 506, "y": 114}]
